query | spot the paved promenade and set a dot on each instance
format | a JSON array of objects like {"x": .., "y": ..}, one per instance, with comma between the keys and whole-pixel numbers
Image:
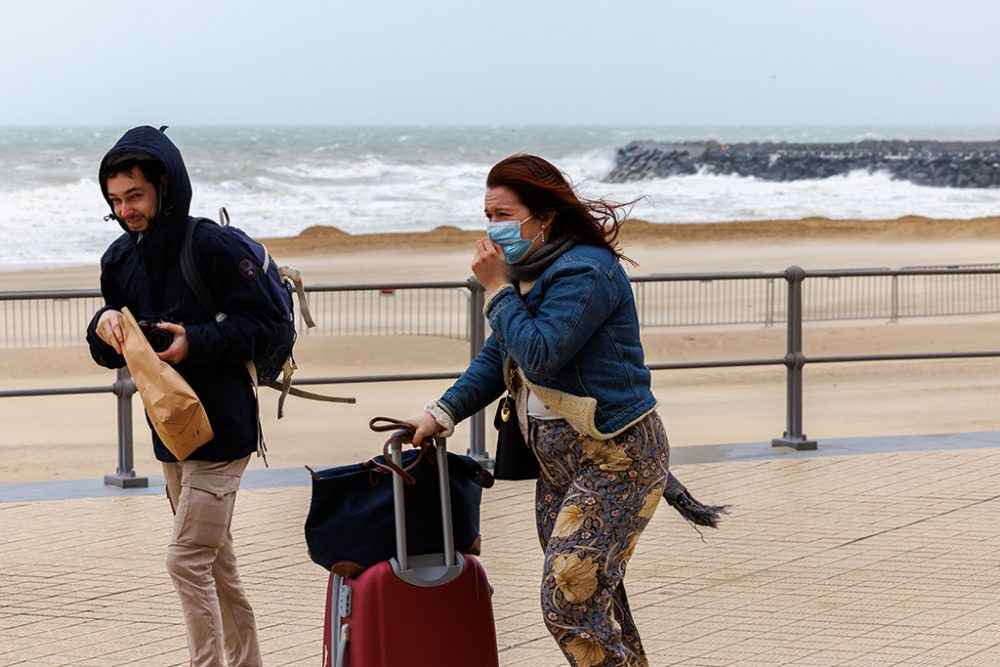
[{"x": 876, "y": 552}]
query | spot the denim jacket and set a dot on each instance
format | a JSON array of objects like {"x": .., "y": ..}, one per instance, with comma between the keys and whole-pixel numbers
[{"x": 575, "y": 339}]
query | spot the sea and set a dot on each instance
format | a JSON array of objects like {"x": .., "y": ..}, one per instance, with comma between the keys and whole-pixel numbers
[{"x": 278, "y": 181}]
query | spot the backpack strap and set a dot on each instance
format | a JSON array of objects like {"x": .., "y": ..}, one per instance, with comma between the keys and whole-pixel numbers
[
  {"x": 302, "y": 393},
  {"x": 192, "y": 276},
  {"x": 194, "y": 280},
  {"x": 295, "y": 277},
  {"x": 261, "y": 445}
]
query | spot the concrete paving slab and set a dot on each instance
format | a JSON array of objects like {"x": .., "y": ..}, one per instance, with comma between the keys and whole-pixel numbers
[
  {"x": 264, "y": 478},
  {"x": 827, "y": 559}
]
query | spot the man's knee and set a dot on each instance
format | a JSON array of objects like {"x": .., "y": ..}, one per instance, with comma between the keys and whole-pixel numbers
[
  {"x": 189, "y": 562},
  {"x": 178, "y": 566},
  {"x": 183, "y": 559}
]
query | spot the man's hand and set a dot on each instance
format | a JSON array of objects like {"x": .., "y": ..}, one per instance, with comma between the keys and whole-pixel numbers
[
  {"x": 109, "y": 329},
  {"x": 489, "y": 265},
  {"x": 178, "y": 350}
]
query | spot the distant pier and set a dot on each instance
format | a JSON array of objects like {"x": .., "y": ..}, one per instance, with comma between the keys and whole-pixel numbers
[{"x": 951, "y": 164}]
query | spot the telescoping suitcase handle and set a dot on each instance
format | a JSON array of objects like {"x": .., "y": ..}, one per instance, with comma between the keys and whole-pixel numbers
[
  {"x": 424, "y": 570},
  {"x": 391, "y": 465}
]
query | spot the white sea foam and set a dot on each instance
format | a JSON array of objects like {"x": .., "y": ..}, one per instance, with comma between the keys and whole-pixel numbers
[
  {"x": 51, "y": 211},
  {"x": 858, "y": 195}
]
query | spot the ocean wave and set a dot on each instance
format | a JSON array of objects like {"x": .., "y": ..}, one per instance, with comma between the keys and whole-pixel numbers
[
  {"x": 588, "y": 166},
  {"x": 857, "y": 195},
  {"x": 369, "y": 167},
  {"x": 46, "y": 223}
]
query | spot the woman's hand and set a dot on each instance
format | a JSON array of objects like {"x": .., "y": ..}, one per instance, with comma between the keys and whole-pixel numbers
[
  {"x": 424, "y": 426},
  {"x": 489, "y": 265}
]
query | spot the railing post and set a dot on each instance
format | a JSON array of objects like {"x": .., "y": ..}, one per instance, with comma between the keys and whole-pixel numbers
[
  {"x": 794, "y": 361},
  {"x": 769, "y": 308},
  {"x": 895, "y": 300},
  {"x": 477, "y": 339},
  {"x": 125, "y": 477}
]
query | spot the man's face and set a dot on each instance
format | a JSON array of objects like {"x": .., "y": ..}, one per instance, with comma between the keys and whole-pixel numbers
[{"x": 133, "y": 199}]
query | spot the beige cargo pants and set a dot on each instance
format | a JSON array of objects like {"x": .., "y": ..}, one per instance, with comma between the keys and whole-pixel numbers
[{"x": 221, "y": 629}]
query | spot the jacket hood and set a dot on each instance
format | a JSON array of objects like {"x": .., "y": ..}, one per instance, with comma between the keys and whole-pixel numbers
[
  {"x": 175, "y": 205},
  {"x": 160, "y": 245}
]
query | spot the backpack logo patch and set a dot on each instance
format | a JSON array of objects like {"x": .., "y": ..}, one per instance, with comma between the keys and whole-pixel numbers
[{"x": 247, "y": 269}]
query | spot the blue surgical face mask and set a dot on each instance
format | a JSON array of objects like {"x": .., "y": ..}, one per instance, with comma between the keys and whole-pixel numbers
[{"x": 507, "y": 235}]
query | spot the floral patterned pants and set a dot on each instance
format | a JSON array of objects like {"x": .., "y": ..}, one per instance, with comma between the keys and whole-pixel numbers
[{"x": 592, "y": 501}]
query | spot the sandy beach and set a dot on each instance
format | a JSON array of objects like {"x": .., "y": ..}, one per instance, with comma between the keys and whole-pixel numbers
[{"x": 73, "y": 437}]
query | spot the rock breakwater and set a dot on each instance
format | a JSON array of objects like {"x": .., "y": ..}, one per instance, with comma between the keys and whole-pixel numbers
[{"x": 931, "y": 163}]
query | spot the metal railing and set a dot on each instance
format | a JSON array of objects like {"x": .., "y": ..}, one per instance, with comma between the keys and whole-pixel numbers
[
  {"x": 676, "y": 300},
  {"x": 378, "y": 309},
  {"x": 736, "y": 298},
  {"x": 387, "y": 309},
  {"x": 45, "y": 319}
]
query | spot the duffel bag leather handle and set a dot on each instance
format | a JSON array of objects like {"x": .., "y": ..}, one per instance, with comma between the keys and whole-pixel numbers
[
  {"x": 402, "y": 433},
  {"x": 389, "y": 424},
  {"x": 389, "y": 466}
]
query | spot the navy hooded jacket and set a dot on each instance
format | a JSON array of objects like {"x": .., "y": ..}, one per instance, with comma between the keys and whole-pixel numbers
[{"x": 141, "y": 270}]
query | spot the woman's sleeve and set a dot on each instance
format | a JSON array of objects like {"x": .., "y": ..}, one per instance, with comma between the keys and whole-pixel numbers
[
  {"x": 578, "y": 300},
  {"x": 480, "y": 384}
]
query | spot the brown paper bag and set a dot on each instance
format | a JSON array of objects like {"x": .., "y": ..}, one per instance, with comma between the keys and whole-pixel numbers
[{"x": 173, "y": 408}]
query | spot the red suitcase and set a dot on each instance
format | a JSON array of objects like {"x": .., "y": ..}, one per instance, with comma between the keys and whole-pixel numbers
[{"x": 413, "y": 611}]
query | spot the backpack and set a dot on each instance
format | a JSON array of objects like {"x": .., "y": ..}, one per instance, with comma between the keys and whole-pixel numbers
[{"x": 275, "y": 359}]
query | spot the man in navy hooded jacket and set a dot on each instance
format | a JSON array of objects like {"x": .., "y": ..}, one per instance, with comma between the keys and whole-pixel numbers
[{"x": 145, "y": 182}]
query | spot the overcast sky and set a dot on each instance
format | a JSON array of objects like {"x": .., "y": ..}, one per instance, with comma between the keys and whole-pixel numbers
[{"x": 656, "y": 62}]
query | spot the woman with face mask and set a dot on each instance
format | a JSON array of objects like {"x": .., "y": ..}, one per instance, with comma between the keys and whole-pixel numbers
[{"x": 565, "y": 343}]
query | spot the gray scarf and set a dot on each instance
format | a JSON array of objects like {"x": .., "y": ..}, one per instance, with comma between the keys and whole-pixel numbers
[{"x": 538, "y": 261}]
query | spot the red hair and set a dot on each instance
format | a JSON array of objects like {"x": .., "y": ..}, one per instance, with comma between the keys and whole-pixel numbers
[{"x": 546, "y": 192}]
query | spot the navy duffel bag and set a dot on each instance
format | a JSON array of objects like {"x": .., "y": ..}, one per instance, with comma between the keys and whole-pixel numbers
[{"x": 351, "y": 523}]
